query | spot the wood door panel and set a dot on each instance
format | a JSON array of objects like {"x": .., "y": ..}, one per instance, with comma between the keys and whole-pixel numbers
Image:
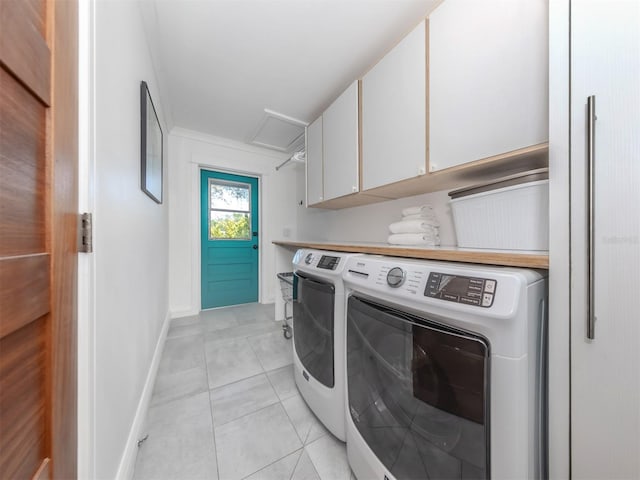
[
  {"x": 64, "y": 242},
  {"x": 22, "y": 401},
  {"x": 22, "y": 169},
  {"x": 22, "y": 52},
  {"x": 44, "y": 471},
  {"x": 38, "y": 238},
  {"x": 24, "y": 291}
]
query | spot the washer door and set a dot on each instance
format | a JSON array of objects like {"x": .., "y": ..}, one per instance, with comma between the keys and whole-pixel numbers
[
  {"x": 313, "y": 323},
  {"x": 418, "y": 393}
]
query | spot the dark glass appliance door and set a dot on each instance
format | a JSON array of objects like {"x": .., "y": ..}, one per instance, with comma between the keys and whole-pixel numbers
[
  {"x": 313, "y": 323},
  {"x": 418, "y": 393}
]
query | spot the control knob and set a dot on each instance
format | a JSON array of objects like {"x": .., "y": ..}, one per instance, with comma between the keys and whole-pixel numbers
[
  {"x": 395, "y": 277},
  {"x": 308, "y": 258}
]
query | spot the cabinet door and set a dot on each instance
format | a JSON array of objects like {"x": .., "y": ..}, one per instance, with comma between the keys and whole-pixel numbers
[
  {"x": 605, "y": 371},
  {"x": 314, "y": 162},
  {"x": 340, "y": 145},
  {"x": 394, "y": 114},
  {"x": 488, "y": 79}
]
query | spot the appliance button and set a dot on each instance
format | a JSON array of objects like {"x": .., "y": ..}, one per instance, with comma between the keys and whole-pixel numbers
[
  {"x": 490, "y": 286},
  {"x": 308, "y": 258},
  {"x": 477, "y": 295},
  {"x": 470, "y": 301},
  {"x": 476, "y": 281},
  {"x": 395, "y": 277},
  {"x": 487, "y": 300},
  {"x": 474, "y": 288},
  {"x": 448, "y": 296}
]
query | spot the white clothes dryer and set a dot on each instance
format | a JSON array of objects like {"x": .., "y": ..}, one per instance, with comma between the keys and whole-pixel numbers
[
  {"x": 318, "y": 334},
  {"x": 446, "y": 372}
]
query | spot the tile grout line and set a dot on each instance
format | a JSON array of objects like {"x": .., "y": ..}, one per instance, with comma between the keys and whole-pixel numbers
[
  {"x": 250, "y": 413},
  {"x": 213, "y": 428},
  {"x": 297, "y": 462},
  {"x": 282, "y": 406},
  {"x": 182, "y": 396},
  {"x": 264, "y": 372},
  {"x": 246, "y": 337},
  {"x": 313, "y": 465},
  {"x": 273, "y": 463}
]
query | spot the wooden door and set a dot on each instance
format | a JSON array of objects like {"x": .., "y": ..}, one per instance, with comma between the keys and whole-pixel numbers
[
  {"x": 229, "y": 235},
  {"x": 605, "y": 370},
  {"x": 38, "y": 238}
]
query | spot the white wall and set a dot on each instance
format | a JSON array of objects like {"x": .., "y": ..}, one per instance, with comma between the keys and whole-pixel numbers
[
  {"x": 131, "y": 234},
  {"x": 189, "y": 152},
  {"x": 368, "y": 223}
]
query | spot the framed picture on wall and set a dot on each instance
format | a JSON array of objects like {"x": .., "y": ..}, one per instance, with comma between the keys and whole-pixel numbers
[{"x": 151, "y": 146}]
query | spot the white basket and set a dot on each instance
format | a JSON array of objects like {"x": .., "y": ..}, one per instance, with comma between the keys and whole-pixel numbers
[{"x": 509, "y": 218}]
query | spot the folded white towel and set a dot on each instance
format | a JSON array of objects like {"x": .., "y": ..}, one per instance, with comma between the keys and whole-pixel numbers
[
  {"x": 420, "y": 216},
  {"x": 413, "y": 226},
  {"x": 419, "y": 210},
  {"x": 414, "y": 239}
]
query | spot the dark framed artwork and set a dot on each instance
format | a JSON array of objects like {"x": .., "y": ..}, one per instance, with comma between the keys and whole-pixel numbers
[{"x": 151, "y": 146}]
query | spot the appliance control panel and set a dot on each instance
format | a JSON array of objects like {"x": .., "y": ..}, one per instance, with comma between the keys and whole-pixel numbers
[
  {"x": 328, "y": 262},
  {"x": 475, "y": 291}
]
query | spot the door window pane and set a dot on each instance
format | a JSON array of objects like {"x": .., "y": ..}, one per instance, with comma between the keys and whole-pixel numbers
[
  {"x": 227, "y": 225},
  {"x": 230, "y": 196},
  {"x": 229, "y": 210}
]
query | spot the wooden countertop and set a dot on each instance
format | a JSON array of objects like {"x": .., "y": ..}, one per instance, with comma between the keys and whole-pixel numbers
[{"x": 509, "y": 258}]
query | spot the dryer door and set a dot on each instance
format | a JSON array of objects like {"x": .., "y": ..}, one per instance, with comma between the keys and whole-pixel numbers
[
  {"x": 418, "y": 393},
  {"x": 313, "y": 318}
]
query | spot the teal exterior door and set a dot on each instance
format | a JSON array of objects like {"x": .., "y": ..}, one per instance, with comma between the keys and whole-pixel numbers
[{"x": 229, "y": 239}]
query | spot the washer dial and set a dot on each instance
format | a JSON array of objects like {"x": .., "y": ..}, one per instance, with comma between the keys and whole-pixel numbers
[
  {"x": 395, "y": 277},
  {"x": 308, "y": 258}
]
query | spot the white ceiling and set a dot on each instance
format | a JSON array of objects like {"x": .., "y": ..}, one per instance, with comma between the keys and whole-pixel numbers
[{"x": 220, "y": 63}]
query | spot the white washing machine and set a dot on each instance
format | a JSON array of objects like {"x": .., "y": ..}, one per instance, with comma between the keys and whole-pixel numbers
[
  {"x": 318, "y": 334},
  {"x": 446, "y": 370}
]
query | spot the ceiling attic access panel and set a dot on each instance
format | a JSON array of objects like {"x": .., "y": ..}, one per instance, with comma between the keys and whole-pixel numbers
[{"x": 279, "y": 132}]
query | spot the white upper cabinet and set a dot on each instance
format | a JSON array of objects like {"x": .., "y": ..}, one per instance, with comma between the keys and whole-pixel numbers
[
  {"x": 340, "y": 145},
  {"x": 488, "y": 79},
  {"x": 394, "y": 114},
  {"x": 314, "y": 162}
]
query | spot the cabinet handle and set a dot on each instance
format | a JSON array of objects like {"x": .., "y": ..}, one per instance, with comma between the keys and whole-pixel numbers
[{"x": 591, "y": 154}]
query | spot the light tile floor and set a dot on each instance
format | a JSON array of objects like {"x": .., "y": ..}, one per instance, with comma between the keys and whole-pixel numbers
[{"x": 225, "y": 406}]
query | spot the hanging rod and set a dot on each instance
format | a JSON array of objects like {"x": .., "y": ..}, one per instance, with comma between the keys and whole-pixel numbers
[
  {"x": 296, "y": 156},
  {"x": 284, "y": 163}
]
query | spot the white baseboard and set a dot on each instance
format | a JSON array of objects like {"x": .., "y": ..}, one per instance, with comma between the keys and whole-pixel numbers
[
  {"x": 128, "y": 460},
  {"x": 183, "y": 313}
]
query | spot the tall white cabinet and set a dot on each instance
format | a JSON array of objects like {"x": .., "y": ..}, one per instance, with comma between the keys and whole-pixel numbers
[{"x": 605, "y": 370}]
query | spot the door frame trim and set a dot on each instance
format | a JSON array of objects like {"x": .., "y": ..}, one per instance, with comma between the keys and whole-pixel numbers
[
  {"x": 196, "y": 257},
  {"x": 559, "y": 342},
  {"x": 86, "y": 262}
]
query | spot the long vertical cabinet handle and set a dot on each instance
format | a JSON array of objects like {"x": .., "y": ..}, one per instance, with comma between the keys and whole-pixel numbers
[{"x": 591, "y": 153}]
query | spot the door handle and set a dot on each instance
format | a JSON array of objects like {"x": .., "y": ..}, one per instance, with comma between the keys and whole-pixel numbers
[
  {"x": 255, "y": 247},
  {"x": 591, "y": 221}
]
